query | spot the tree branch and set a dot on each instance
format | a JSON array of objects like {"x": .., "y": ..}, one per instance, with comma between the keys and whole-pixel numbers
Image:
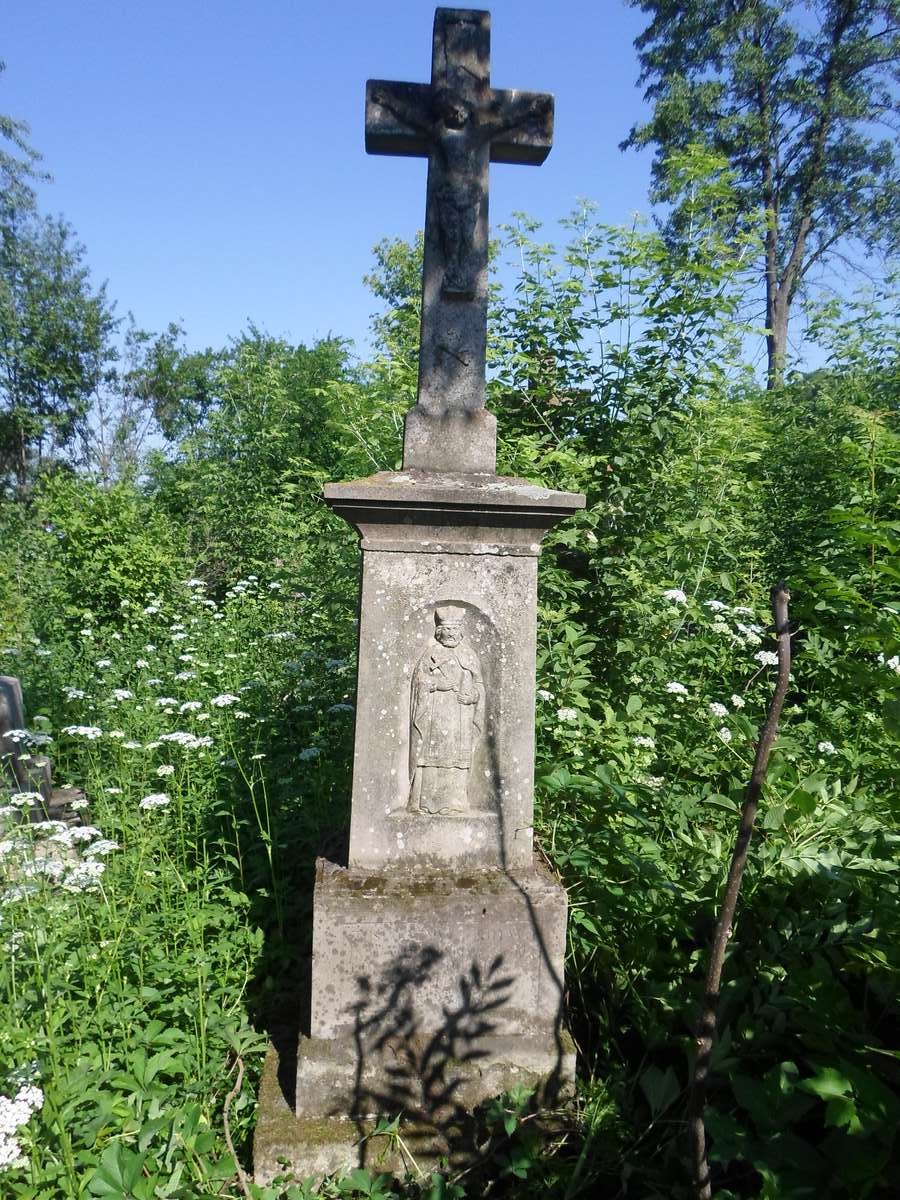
[{"x": 706, "y": 1031}]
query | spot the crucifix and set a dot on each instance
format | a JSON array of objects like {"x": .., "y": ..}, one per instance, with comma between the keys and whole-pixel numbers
[{"x": 460, "y": 123}]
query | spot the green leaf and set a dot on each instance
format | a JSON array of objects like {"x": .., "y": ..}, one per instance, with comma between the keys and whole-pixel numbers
[
  {"x": 118, "y": 1173},
  {"x": 774, "y": 817},
  {"x": 827, "y": 1084},
  {"x": 660, "y": 1088}
]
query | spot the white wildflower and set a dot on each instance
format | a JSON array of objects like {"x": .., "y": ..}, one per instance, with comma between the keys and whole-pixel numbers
[
  {"x": 118, "y": 734},
  {"x": 165, "y": 701},
  {"x": 826, "y": 748},
  {"x": 165, "y": 769},
  {"x": 725, "y": 734},
  {"x": 19, "y": 891},
  {"x": 715, "y": 605},
  {"x": 178, "y": 637},
  {"x": 766, "y": 658},
  {"x": 742, "y": 611},
  {"x": 717, "y": 709},
  {"x": 84, "y": 876},
  {"x": 225, "y": 700},
  {"x": 719, "y": 627},
  {"x": 73, "y": 693},
  {"x": 79, "y": 803},
  {"x": 151, "y": 610},
  {"x": 676, "y": 688},
  {"x": 749, "y": 634},
  {"x": 131, "y": 745},
  {"x": 122, "y": 694},
  {"x": 104, "y": 846},
  {"x": 83, "y": 833},
  {"x": 104, "y": 662},
  {"x": 154, "y": 800},
  {"x": 544, "y": 694},
  {"x": 567, "y": 714},
  {"x": 191, "y": 706},
  {"x": 256, "y": 757},
  {"x": 240, "y": 715},
  {"x": 184, "y": 676},
  {"x": 675, "y": 595},
  {"x": 141, "y": 663},
  {"x": 48, "y": 827},
  {"x": 91, "y": 732},
  {"x": 646, "y": 742},
  {"x": 24, "y": 799},
  {"x": 737, "y": 701}
]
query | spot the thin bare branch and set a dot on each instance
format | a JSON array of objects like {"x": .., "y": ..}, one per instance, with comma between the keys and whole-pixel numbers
[{"x": 706, "y": 1031}]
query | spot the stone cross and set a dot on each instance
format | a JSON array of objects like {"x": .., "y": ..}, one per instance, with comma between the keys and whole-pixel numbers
[
  {"x": 438, "y": 941},
  {"x": 460, "y": 123}
]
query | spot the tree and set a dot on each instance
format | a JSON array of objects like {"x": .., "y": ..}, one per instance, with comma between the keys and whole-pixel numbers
[
  {"x": 792, "y": 96},
  {"x": 54, "y": 339},
  {"x": 19, "y": 165}
]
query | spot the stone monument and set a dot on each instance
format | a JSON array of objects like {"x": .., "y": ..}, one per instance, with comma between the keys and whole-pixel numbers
[
  {"x": 438, "y": 944},
  {"x": 22, "y": 770}
]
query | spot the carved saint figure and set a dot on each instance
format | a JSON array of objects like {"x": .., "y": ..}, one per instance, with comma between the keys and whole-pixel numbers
[{"x": 446, "y": 717}]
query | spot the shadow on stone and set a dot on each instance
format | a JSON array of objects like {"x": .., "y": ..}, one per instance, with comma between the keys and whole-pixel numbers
[
  {"x": 430, "y": 997},
  {"x": 423, "y": 1075}
]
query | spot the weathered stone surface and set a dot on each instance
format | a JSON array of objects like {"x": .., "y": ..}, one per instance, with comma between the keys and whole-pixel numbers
[
  {"x": 467, "y": 439},
  {"x": 309, "y": 1144},
  {"x": 430, "y": 995},
  {"x": 461, "y": 124},
  {"x": 433, "y": 541},
  {"x": 433, "y": 936}
]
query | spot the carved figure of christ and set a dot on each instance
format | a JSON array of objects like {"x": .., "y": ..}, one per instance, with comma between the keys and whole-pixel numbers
[{"x": 460, "y": 123}]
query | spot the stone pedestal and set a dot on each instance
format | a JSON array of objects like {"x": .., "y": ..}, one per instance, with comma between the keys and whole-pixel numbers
[
  {"x": 430, "y": 994},
  {"x": 437, "y": 971}
]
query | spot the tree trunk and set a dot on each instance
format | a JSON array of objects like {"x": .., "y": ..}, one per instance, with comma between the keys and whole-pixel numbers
[{"x": 776, "y": 342}]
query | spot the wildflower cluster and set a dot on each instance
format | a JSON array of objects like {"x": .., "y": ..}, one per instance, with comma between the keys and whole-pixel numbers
[{"x": 15, "y": 1113}]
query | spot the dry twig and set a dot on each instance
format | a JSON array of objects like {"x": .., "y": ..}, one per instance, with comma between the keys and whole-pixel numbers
[
  {"x": 235, "y": 1091},
  {"x": 706, "y": 1031}
]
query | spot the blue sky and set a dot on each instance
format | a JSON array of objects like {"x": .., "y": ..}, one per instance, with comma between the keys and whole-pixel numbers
[{"x": 210, "y": 155}]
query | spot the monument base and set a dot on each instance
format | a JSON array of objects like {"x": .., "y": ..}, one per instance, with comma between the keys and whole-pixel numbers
[
  {"x": 327, "y": 1142},
  {"x": 431, "y": 994},
  {"x": 467, "y": 439}
]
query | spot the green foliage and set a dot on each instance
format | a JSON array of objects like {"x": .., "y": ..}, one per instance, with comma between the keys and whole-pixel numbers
[
  {"x": 792, "y": 101},
  {"x": 615, "y": 370},
  {"x": 54, "y": 340},
  {"x": 80, "y": 553}
]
